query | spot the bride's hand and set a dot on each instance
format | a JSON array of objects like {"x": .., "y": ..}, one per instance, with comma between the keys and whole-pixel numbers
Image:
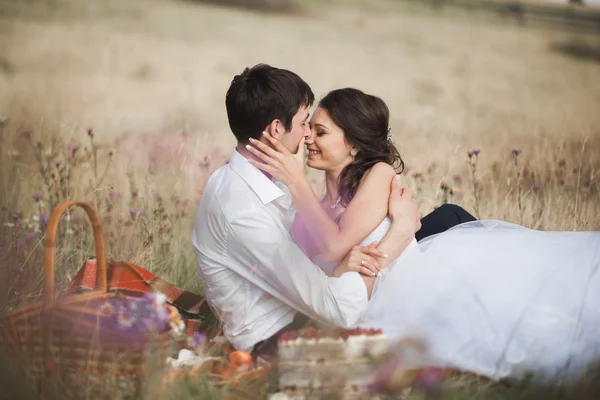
[
  {"x": 278, "y": 161},
  {"x": 361, "y": 259},
  {"x": 403, "y": 208}
]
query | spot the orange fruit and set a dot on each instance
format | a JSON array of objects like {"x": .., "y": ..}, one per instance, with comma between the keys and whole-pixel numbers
[{"x": 239, "y": 358}]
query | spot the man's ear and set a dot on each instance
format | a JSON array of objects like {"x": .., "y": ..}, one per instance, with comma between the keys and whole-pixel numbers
[{"x": 275, "y": 128}]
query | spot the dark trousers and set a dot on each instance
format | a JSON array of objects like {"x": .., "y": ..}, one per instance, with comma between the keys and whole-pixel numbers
[{"x": 442, "y": 219}]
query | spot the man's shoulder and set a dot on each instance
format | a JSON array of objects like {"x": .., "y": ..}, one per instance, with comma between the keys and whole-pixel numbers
[{"x": 227, "y": 194}]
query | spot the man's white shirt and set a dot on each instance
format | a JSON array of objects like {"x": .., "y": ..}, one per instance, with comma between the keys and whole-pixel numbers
[{"x": 254, "y": 275}]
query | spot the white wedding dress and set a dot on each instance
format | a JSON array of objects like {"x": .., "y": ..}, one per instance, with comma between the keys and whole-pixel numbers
[{"x": 494, "y": 298}]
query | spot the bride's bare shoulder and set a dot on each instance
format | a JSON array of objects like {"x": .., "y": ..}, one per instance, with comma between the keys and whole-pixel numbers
[{"x": 381, "y": 171}]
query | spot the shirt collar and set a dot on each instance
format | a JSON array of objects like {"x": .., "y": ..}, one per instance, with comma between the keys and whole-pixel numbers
[{"x": 264, "y": 188}]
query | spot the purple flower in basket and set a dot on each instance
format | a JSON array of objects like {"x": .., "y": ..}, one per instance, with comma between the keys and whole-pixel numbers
[
  {"x": 126, "y": 319},
  {"x": 160, "y": 320},
  {"x": 121, "y": 319},
  {"x": 149, "y": 296},
  {"x": 106, "y": 309},
  {"x": 143, "y": 314},
  {"x": 198, "y": 339}
]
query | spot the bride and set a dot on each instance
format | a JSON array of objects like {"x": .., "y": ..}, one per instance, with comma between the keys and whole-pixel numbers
[{"x": 490, "y": 297}]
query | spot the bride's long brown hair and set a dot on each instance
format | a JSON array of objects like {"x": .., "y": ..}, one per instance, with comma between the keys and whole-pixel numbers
[{"x": 365, "y": 121}]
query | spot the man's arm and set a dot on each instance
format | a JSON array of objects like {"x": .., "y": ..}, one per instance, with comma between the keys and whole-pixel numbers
[{"x": 261, "y": 251}]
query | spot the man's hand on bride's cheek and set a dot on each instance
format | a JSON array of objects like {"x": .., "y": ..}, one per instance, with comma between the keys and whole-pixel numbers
[
  {"x": 361, "y": 259},
  {"x": 403, "y": 208},
  {"x": 277, "y": 160}
]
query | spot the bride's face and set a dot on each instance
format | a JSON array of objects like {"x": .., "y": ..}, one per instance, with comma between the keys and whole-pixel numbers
[{"x": 326, "y": 145}]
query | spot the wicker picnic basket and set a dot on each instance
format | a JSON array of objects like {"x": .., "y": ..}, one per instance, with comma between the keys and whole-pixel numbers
[{"x": 97, "y": 333}]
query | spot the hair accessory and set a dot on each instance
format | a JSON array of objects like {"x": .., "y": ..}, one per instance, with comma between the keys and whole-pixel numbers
[{"x": 389, "y": 134}]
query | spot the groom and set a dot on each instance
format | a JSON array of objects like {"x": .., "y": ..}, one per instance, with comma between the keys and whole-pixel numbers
[{"x": 255, "y": 277}]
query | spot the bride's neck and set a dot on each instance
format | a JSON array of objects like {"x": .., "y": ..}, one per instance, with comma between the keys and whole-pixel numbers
[{"x": 332, "y": 187}]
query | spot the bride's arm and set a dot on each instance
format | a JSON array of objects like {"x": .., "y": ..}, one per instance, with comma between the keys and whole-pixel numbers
[
  {"x": 365, "y": 212},
  {"x": 404, "y": 213},
  {"x": 302, "y": 238}
]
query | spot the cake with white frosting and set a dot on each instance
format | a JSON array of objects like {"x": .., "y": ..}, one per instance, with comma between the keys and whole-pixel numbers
[{"x": 336, "y": 360}]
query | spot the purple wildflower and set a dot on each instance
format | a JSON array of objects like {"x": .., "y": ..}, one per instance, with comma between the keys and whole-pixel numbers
[
  {"x": 525, "y": 172},
  {"x": 31, "y": 236},
  {"x": 26, "y": 133},
  {"x": 19, "y": 271},
  {"x": 430, "y": 378},
  {"x": 20, "y": 245},
  {"x": 133, "y": 212},
  {"x": 456, "y": 178},
  {"x": 157, "y": 196},
  {"x": 36, "y": 196},
  {"x": 383, "y": 376},
  {"x": 15, "y": 215},
  {"x": 57, "y": 163},
  {"x": 44, "y": 219},
  {"x": 474, "y": 153},
  {"x": 90, "y": 131},
  {"x": 132, "y": 253},
  {"x": 516, "y": 151},
  {"x": 73, "y": 148},
  {"x": 536, "y": 187}
]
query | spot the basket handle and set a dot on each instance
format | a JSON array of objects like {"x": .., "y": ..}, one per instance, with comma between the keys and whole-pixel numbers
[{"x": 50, "y": 247}]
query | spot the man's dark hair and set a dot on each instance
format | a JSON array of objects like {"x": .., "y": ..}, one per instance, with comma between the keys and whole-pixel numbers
[{"x": 261, "y": 94}]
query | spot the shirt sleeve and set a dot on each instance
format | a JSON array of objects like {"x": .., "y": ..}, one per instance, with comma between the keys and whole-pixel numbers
[{"x": 260, "y": 250}]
